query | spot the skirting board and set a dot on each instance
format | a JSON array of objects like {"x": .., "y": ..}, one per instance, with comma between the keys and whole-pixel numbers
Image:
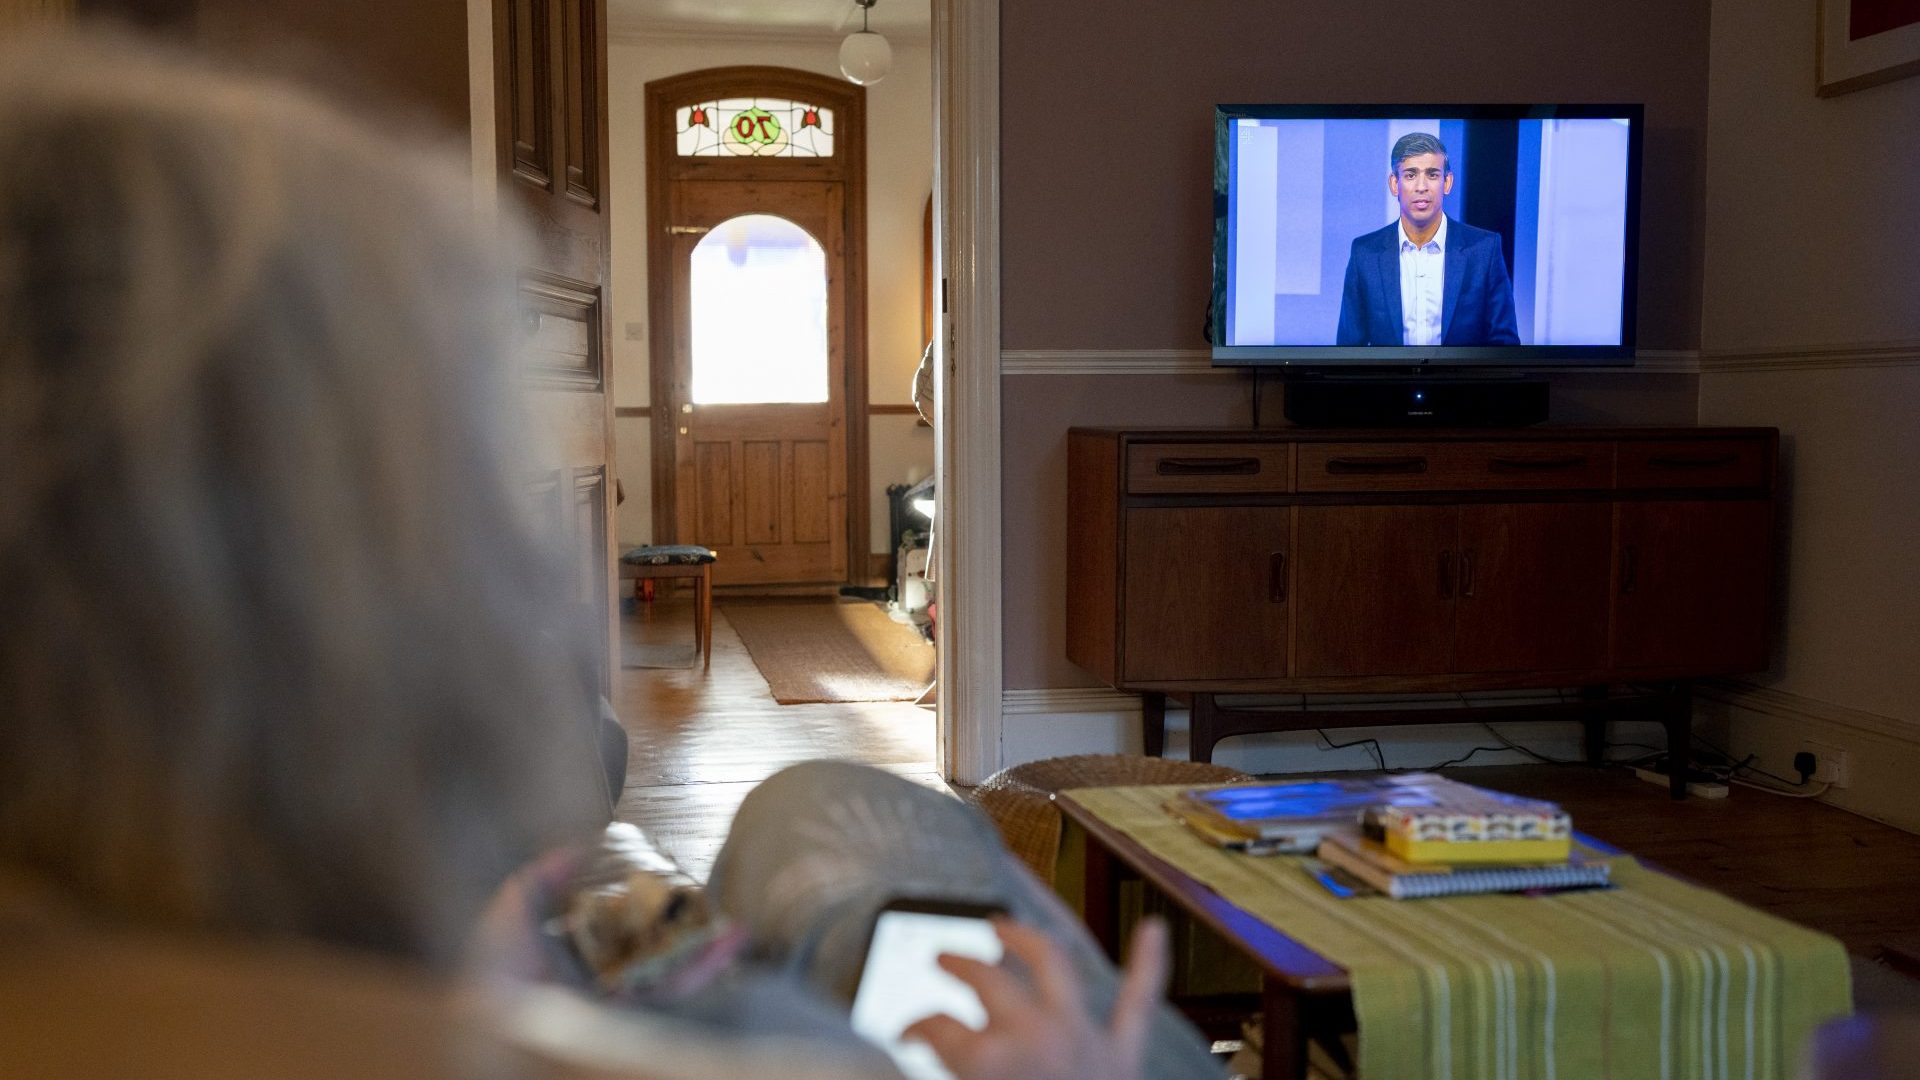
[
  {"x": 1883, "y": 753},
  {"x": 1040, "y": 724}
]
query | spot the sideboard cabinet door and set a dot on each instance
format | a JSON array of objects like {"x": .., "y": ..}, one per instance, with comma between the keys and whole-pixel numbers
[
  {"x": 1206, "y": 593},
  {"x": 1690, "y": 584},
  {"x": 1375, "y": 591},
  {"x": 1532, "y": 587}
]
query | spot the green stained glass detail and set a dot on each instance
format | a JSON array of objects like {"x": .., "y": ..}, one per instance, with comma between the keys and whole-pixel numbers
[{"x": 754, "y": 127}]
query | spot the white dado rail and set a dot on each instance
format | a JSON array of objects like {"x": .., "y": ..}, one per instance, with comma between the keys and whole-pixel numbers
[
  {"x": 1199, "y": 362},
  {"x": 1649, "y": 361}
]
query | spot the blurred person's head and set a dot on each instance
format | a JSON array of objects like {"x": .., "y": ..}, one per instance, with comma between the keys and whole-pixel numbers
[{"x": 280, "y": 651}]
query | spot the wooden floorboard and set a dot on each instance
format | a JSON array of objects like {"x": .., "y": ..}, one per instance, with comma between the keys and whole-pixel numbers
[
  {"x": 701, "y": 740},
  {"x": 1816, "y": 865},
  {"x": 698, "y": 741}
]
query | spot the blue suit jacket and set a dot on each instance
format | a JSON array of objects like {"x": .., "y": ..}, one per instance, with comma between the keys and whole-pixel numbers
[{"x": 1476, "y": 305}]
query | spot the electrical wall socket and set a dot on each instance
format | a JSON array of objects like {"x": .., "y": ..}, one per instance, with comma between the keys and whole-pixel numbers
[{"x": 1829, "y": 763}]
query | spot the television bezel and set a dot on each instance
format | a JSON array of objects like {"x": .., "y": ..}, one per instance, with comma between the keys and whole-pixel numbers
[{"x": 1310, "y": 357}]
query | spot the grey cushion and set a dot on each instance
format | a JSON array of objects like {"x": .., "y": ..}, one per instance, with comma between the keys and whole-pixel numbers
[{"x": 668, "y": 555}]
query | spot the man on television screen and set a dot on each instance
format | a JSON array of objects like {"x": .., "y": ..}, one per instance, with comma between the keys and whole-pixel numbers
[{"x": 1425, "y": 280}]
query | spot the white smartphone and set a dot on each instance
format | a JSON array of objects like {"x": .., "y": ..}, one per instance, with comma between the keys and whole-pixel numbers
[{"x": 900, "y": 984}]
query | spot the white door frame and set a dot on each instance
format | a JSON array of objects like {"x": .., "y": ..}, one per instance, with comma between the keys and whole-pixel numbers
[{"x": 966, "y": 169}]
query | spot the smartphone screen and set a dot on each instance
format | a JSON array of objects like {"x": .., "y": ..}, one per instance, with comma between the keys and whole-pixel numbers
[{"x": 901, "y": 984}]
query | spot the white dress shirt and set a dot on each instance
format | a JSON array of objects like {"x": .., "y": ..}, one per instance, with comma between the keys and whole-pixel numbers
[{"x": 1423, "y": 273}]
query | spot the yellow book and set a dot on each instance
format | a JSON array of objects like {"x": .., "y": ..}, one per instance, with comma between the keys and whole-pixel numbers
[
  {"x": 1480, "y": 852},
  {"x": 1404, "y": 880},
  {"x": 1470, "y": 826}
]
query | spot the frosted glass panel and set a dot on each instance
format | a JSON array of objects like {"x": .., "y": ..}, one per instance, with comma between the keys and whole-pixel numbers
[{"x": 759, "y": 294}]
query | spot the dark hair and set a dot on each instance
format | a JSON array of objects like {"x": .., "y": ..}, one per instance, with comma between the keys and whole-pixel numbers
[
  {"x": 268, "y": 650},
  {"x": 1415, "y": 143}
]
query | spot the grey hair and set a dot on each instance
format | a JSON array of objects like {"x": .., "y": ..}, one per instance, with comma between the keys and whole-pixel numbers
[
  {"x": 281, "y": 650},
  {"x": 1415, "y": 143}
]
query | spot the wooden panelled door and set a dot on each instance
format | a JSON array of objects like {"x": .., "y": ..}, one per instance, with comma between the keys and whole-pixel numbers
[
  {"x": 758, "y": 369},
  {"x": 550, "y": 92}
]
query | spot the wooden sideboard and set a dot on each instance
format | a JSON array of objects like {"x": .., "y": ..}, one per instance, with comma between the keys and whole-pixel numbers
[{"x": 1327, "y": 561}]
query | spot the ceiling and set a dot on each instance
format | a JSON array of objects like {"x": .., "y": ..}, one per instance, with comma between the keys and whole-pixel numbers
[{"x": 799, "y": 19}]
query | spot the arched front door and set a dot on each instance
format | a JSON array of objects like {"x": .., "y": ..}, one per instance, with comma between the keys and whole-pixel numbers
[{"x": 758, "y": 314}]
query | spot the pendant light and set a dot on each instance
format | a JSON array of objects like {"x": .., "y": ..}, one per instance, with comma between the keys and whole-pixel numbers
[{"x": 865, "y": 57}]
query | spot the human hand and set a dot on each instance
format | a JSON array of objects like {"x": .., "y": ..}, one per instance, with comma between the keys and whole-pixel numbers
[
  {"x": 510, "y": 940},
  {"x": 1041, "y": 1030}
]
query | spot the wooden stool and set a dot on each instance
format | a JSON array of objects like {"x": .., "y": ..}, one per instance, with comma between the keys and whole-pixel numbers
[{"x": 678, "y": 561}]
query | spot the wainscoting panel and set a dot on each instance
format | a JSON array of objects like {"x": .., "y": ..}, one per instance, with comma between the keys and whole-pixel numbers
[{"x": 1883, "y": 753}]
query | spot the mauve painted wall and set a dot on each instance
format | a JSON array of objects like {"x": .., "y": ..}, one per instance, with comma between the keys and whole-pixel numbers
[
  {"x": 1106, "y": 121},
  {"x": 1106, "y": 128}
]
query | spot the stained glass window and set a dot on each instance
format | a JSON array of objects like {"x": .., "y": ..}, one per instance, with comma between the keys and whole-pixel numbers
[{"x": 754, "y": 127}]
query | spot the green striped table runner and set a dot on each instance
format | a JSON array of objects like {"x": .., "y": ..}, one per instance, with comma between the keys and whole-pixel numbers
[{"x": 1655, "y": 978}]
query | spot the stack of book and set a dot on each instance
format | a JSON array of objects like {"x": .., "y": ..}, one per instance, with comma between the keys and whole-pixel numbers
[
  {"x": 1290, "y": 816},
  {"x": 1402, "y": 836}
]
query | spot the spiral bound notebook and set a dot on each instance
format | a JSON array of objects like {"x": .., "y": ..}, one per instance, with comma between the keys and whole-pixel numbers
[{"x": 1403, "y": 880}]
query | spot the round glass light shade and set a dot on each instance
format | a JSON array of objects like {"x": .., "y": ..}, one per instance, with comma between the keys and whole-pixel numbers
[{"x": 865, "y": 57}]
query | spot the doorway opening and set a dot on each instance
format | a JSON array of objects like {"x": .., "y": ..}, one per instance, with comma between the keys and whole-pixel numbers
[
  {"x": 757, "y": 245},
  {"x": 789, "y": 269}
]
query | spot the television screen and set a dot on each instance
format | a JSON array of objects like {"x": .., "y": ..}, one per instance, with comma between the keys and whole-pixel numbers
[{"x": 1424, "y": 234}]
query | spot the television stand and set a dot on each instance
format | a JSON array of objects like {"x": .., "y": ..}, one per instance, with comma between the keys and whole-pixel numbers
[
  {"x": 1669, "y": 705},
  {"x": 1456, "y": 399},
  {"x": 1228, "y": 562}
]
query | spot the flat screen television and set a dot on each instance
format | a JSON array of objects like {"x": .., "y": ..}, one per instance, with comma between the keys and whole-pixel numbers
[{"x": 1409, "y": 236}]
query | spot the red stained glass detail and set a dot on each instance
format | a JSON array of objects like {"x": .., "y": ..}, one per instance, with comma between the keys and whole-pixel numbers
[
  {"x": 698, "y": 117},
  {"x": 810, "y": 118}
]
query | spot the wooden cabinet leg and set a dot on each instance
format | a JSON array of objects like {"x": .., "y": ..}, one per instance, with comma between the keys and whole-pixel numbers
[
  {"x": 1100, "y": 898},
  {"x": 1283, "y": 1037},
  {"x": 1153, "y": 723},
  {"x": 1596, "y": 739},
  {"x": 1200, "y": 737},
  {"x": 1679, "y": 724}
]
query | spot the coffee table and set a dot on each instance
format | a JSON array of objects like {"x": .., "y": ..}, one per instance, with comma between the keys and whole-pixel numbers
[
  {"x": 1302, "y": 993},
  {"x": 1656, "y": 976}
]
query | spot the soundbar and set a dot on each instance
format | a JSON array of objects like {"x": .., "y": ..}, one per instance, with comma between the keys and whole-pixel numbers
[{"x": 1376, "y": 401}]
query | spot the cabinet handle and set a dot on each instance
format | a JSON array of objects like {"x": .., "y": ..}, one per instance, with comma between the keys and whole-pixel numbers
[
  {"x": 1446, "y": 574},
  {"x": 1229, "y": 466},
  {"x": 1629, "y": 569},
  {"x": 1466, "y": 572},
  {"x": 1375, "y": 466},
  {"x": 1277, "y": 578},
  {"x": 1536, "y": 464},
  {"x": 1693, "y": 461}
]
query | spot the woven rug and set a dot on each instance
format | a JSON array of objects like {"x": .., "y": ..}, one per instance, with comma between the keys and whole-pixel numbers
[
  {"x": 1654, "y": 978},
  {"x": 815, "y": 650}
]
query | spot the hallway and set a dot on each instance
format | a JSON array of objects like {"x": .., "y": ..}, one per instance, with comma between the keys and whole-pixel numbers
[{"x": 699, "y": 741}]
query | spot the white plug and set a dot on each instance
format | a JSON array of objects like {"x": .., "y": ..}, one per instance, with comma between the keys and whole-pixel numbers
[{"x": 1829, "y": 763}]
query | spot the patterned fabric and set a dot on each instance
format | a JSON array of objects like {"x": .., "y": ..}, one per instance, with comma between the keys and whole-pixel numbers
[
  {"x": 1655, "y": 978},
  {"x": 668, "y": 555}
]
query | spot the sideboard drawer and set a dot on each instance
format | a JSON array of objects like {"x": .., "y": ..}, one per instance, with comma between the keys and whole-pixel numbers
[
  {"x": 1475, "y": 466},
  {"x": 1694, "y": 463},
  {"x": 1176, "y": 468}
]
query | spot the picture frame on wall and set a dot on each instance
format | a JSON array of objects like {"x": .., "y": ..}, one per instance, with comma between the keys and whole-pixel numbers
[{"x": 1863, "y": 43}]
